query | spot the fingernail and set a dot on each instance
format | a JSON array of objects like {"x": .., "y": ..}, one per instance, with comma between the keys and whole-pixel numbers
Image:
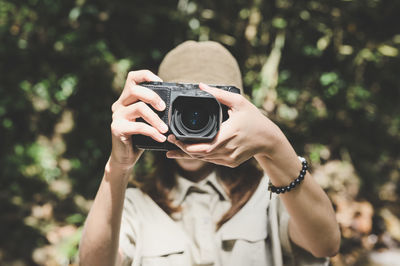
[
  {"x": 171, "y": 154},
  {"x": 161, "y": 105},
  {"x": 204, "y": 85},
  {"x": 163, "y": 127},
  {"x": 162, "y": 138},
  {"x": 171, "y": 138}
]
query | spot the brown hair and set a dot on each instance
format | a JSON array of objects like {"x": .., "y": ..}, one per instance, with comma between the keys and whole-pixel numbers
[{"x": 241, "y": 182}]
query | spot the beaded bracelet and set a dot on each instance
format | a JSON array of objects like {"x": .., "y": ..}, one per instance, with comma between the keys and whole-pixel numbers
[{"x": 278, "y": 190}]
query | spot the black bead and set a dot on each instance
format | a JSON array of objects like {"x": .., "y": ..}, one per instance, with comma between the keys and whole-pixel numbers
[{"x": 293, "y": 184}]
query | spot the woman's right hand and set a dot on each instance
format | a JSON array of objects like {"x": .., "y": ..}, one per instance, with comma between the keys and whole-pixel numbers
[{"x": 132, "y": 105}]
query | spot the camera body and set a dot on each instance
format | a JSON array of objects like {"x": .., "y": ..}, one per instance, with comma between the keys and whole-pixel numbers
[{"x": 192, "y": 115}]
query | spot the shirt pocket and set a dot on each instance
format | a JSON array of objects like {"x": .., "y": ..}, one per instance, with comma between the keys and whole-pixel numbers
[
  {"x": 164, "y": 249},
  {"x": 169, "y": 258},
  {"x": 247, "y": 246}
]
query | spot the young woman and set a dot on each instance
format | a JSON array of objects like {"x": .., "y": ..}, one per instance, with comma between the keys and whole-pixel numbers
[{"x": 206, "y": 203}]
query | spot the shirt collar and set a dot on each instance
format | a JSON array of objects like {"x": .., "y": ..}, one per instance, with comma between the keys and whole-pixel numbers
[{"x": 179, "y": 192}]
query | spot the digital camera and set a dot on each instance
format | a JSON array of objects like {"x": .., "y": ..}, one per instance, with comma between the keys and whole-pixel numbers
[{"x": 192, "y": 115}]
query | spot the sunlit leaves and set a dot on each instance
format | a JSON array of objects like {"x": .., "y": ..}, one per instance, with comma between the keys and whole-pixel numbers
[
  {"x": 279, "y": 23},
  {"x": 44, "y": 161},
  {"x": 318, "y": 153},
  {"x": 68, "y": 86},
  {"x": 357, "y": 97},
  {"x": 312, "y": 51},
  {"x": 332, "y": 83},
  {"x": 388, "y": 50}
]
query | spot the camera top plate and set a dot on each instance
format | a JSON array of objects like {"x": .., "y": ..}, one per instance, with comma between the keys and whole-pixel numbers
[{"x": 186, "y": 86}]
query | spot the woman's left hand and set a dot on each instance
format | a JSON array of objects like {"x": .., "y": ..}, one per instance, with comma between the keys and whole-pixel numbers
[{"x": 244, "y": 134}]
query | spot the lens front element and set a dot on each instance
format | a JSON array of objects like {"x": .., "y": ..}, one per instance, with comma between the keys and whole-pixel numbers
[{"x": 195, "y": 117}]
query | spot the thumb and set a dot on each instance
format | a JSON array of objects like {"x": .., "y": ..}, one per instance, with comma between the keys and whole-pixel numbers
[{"x": 227, "y": 98}]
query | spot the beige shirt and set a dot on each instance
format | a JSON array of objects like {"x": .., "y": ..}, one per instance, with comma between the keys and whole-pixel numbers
[{"x": 257, "y": 235}]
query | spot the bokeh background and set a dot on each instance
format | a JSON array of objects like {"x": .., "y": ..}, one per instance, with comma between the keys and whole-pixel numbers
[{"x": 327, "y": 72}]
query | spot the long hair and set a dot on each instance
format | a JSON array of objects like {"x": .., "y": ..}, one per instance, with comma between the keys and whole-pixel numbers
[{"x": 241, "y": 182}]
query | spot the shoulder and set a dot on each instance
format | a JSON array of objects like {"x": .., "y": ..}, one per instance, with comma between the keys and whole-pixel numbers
[
  {"x": 134, "y": 197},
  {"x": 138, "y": 200},
  {"x": 142, "y": 206},
  {"x": 133, "y": 193}
]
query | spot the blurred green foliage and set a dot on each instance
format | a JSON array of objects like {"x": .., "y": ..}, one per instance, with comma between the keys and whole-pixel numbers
[{"x": 333, "y": 88}]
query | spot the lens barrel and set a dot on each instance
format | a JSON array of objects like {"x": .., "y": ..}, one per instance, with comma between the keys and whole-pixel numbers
[{"x": 194, "y": 118}]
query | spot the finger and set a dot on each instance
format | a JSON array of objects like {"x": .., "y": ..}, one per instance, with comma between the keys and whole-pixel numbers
[
  {"x": 199, "y": 147},
  {"x": 138, "y": 93},
  {"x": 177, "y": 154},
  {"x": 180, "y": 154},
  {"x": 216, "y": 161},
  {"x": 190, "y": 148},
  {"x": 183, "y": 147},
  {"x": 224, "y": 134},
  {"x": 133, "y": 78},
  {"x": 183, "y": 155},
  {"x": 138, "y": 76},
  {"x": 171, "y": 138},
  {"x": 125, "y": 127},
  {"x": 227, "y": 98},
  {"x": 142, "y": 110}
]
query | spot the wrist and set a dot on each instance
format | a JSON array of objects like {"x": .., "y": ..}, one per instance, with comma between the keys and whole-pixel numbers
[
  {"x": 272, "y": 140},
  {"x": 294, "y": 183},
  {"x": 125, "y": 158},
  {"x": 277, "y": 156},
  {"x": 116, "y": 171}
]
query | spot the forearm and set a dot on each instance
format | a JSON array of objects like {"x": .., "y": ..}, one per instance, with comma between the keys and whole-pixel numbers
[
  {"x": 99, "y": 243},
  {"x": 100, "y": 239},
  {"x": 312, "y": 223}
]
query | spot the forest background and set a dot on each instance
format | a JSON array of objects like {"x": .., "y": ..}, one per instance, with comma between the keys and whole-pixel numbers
[{"x": 327, "y": 72}]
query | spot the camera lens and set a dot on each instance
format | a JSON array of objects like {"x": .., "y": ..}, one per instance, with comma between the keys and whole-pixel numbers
[{"x": 195, "y": 117}]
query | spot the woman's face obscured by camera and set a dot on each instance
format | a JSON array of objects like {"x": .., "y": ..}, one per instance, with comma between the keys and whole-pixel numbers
[
  {"x": 194, "y": 170},
  {"x": 191, "y": 165}
]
